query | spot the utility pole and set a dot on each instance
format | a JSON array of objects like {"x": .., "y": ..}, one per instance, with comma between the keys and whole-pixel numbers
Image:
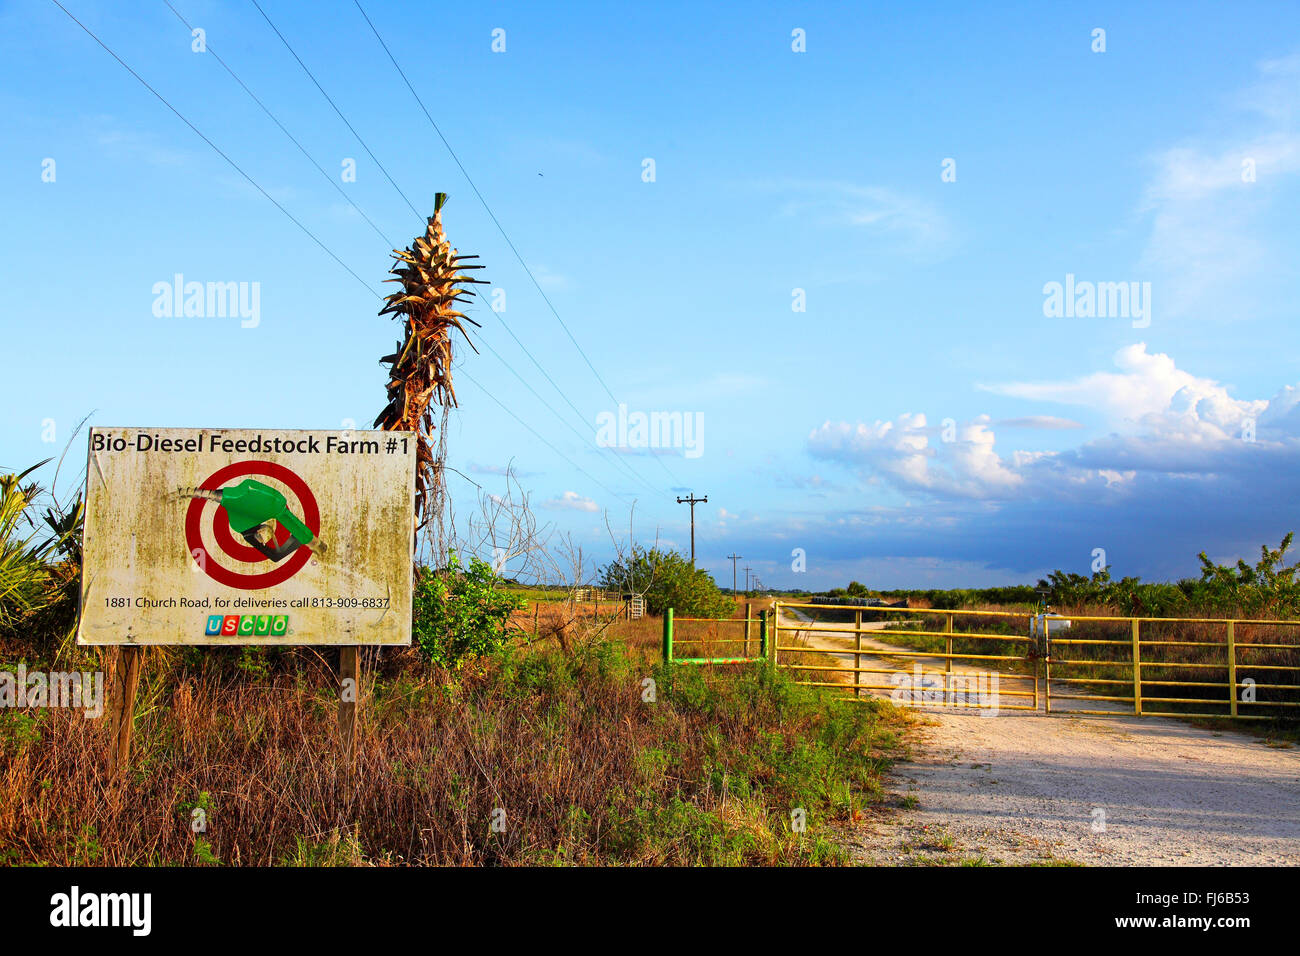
[
  {"x": 746, "y": 580},
  {"x": 692, "y": 501},
  {"x": 734, "y": 559}
]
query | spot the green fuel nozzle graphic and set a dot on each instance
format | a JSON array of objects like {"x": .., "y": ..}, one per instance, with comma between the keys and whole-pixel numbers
[{"x": 251, "y": 506}]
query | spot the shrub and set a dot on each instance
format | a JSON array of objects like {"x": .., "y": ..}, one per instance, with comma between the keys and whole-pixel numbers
[
  {"x": 39, "y": 580},
  {"x": 24, "y": 574},
  {"x": 460, "y": 612},
  {"x": 667, "y": 580}
]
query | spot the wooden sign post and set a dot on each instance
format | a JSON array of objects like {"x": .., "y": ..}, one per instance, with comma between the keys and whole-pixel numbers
[
  {"x": 126, "y": 681},
  {"x": 349, "y": 688}
]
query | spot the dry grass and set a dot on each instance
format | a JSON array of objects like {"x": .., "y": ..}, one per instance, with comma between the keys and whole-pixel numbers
[{"x": 562, "y": 748}]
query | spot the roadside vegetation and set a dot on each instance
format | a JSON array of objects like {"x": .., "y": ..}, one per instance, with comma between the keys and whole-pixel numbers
[
  {"x": 667, "y": 579},
  {"x": 492, "y": 740}
]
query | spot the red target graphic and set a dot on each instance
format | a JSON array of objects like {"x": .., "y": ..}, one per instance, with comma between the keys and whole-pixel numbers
[{"x": 238, "y": 550}]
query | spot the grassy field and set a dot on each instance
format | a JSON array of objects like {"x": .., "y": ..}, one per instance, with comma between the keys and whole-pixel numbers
[
  {"x": 598, "y": 755},
  {"x": 538, "y": 595}
]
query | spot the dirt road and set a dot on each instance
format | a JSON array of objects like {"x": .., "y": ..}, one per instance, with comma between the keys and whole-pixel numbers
[{"x": 1111, "y": 791}]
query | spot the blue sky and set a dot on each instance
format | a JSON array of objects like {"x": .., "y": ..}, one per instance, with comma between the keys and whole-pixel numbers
[{"x": 921, "y": 423}]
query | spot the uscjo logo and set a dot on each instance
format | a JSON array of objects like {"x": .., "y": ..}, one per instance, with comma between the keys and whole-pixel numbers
[
  {"x": 247, "y": 625},
  {"x": 248, "y": 514}
]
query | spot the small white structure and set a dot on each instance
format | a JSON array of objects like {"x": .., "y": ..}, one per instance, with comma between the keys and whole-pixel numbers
[
  {"x": 1054, "y": 624},
  {"x": 636, "y": 606}
]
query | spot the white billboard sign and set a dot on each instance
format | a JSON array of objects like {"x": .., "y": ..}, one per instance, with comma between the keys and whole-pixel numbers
[{"x": 248, "y": 537}]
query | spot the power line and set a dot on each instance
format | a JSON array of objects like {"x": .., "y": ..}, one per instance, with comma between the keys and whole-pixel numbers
[
  {"x": 307, "y": 231},
  {"x": 252, "y": 182},
  {"x": 214, "y": 146},
  {"x": 548, "y": 407},
  {"x": 488, "y": 208},
  {"x": 543, "y": 440},
  {"x": 504, "y": 324},
  {"x": 537, "y": 285},
  {"x": 336, "y": 109},
  {"x": 328, "y": 178}
]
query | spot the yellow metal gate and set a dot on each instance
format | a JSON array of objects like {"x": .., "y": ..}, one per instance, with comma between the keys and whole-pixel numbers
[
  {"x": 1175, "y": 667},
  {"x": 921, "y": 657},
  {"x": 1074, "y": 664}
]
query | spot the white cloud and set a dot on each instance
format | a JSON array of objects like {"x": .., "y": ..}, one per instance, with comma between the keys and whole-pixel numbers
[
  {"x": 901, "y": 450},
  {"x": 1043, "y": 422},
  {"x": 877, "y": 209},
  {"x": 1208, "y": 246},
  {"x": 1169, "y": 423},
  {"x": 510, "y": 469},
  {"x": 571, "y": 501},
  {"x": 1147, "y": 385},
  {"x": 1179, "y": 476}
]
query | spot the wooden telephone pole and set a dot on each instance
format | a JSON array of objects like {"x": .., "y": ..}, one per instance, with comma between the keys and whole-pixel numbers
[
  {"x": 692, "y": 501},
  {"x": 734, "y": 559}
]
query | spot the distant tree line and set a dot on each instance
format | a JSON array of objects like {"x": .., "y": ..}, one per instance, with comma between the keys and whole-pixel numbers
[{"x": 1267, "y": 588}]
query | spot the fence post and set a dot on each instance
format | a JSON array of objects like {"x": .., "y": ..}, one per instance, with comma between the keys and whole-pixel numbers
[
  {"x": 857, "y": 652},
  {"x": 1047, "y": 670},
  {"x": 762, "y": 633},
  {"x": 1137, "y": 669},
  {"x": 668, "y": 636},
  {"x": 749, "y": 612},
  {"x": 1037, "y": 662},
  {"x": 1232, "y": 668},
  {"x": 775, "y": 637},
  {"x": 947, "y": 668}
]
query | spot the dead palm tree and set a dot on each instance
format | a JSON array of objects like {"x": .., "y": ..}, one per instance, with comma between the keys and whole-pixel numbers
[{"x": 434, "y": 282}]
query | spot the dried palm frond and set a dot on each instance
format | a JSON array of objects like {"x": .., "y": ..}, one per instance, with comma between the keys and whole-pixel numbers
[{"x": 433, "y": 279}]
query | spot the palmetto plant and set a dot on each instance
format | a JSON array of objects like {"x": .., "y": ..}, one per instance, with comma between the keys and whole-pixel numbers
[
  {"x": 25, "y": 555},
  {"x": 434, "y": 283}
]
